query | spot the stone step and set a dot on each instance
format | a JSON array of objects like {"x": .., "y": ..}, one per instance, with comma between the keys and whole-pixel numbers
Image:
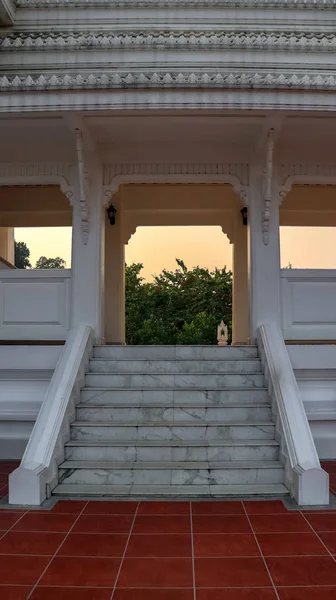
[
  {"x": 174, "y": 366},
  {"x": 170, "y": 473},
  {"x": 183, "y": 397},
  {"x": 198, "y": 381},
  {"x": 172, "y": 450},
  {"x": 177, "y": 414},
  {"x": 176, "y": 352},
  {"x": 187, "y": 431},
  {"x": 143, "y": 492}
]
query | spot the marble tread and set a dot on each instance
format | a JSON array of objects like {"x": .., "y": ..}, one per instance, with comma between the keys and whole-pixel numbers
[
  {"x": 99, "y": 365},
  {"x": 79, "y": 464},
  {"x": 176, "y": 352},
  {"x": 163, "y": 491}
]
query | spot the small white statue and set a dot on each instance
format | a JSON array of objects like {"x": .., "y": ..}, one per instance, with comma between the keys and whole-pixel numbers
[{"x": 222, "y": 334}]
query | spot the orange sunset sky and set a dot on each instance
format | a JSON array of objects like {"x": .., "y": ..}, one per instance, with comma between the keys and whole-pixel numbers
[{"x": 157, "y": 247}]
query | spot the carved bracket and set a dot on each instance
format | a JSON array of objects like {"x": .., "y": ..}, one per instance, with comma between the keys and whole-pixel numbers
[
  {"x": 268, "y": 178},
  {"x": 83, "y": 185}
]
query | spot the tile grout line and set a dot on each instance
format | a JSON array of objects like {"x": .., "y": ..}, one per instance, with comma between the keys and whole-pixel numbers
[
  {"x": 124, "y": 554},
  {"x": 58, "y": 548},
  {"x": 16, "y": 522},
  {"x": 192, "y": 552},
  {"x": 318, "y": 537},
  {"x": 261, "y": 553}
]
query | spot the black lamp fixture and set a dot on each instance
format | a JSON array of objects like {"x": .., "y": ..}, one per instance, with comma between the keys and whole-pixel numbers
[
  {"x": 243, "y": 213},
  {"x": 111, "y": 213}
]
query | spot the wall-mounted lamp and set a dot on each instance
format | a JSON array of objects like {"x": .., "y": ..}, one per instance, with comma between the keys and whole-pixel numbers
[
  {"x": 243, "y": 213},
  {"x": 111, "y": 213}
]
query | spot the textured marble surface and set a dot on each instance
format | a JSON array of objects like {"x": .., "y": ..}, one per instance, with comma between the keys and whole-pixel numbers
[
  {"x": 97, "y": 431},
  {"x": 176, "y": 352},
  {"x": 175, "y": 366},
  {"x": 170, "y": 397},
  {"x": 175, "y": 414},
  {"x": 198, "y": 381}
]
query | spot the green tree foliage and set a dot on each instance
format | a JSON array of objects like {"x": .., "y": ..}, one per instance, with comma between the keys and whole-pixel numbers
[
  {"x": 177, "y": 307},
  {"x": 22, "y": 254},
  {"x": 50, "y": 263}
]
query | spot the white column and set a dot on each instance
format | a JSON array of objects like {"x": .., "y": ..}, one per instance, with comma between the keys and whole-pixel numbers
[
  {"x": 115, "y": 279},
  {"x": 240, "y": 292},
  {"x": 264, "y": 259},
  {"x": 87, "y": 267},
  {"x": 7, "y": 244}
]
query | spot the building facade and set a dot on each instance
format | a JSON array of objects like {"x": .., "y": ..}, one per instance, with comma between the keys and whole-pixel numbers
[{"x": 208, "y": 112}]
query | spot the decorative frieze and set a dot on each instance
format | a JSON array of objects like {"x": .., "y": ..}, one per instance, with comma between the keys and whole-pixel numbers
[
  {"x": 249, "y": 80},
  {"x": 39, "y": 174},
  {"x": 308, "y": 4},
  {"x": 188, "y": 40}
]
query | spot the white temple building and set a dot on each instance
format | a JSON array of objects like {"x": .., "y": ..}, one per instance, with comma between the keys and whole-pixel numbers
[{"x": 126, "y": 113}]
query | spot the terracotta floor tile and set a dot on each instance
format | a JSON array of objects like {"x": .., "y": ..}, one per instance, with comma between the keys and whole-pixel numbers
[
  {"x": 3, "y": 491},
  {"x": 159, "y": 546},
  {"x": 15, "y": 592},
  {"x": 217, "y": 508},
  {"x": 27, "y": 542},
  {"x": 302, "y": 570},
  {"x": 24, "y": 570},
  {"x": 322, "y": 521},
  {"x": 74, "y": 571},
  {"x": 92, "y": 544},
  {"x": 164, "y": 508},
  {"x": 230, "y": 544},
  {"x": 162, "y": 524},
  {"x": 68, "y": 507},
  {"x": 221, "y": 524},
  {"x": 329, "y": 539},
  {"x": 307, "y": 593},
  {"x": 268, "y": 507},
  {"x": 148, "y": 594},
  {"x": 7, "y": 519},
  {"x": 290, "y": 544},
  {"x": 34, "y": 521},
  {"x": 110, "y": 508},
  {"x": 70, "y": 593},
  {"x": 3, "y": 479},
  {"x": 279, "y": 524},
  {"x": 231, "y": 572},
  {"x": 332, "y": 478},
  {"x": 156, "y": 572},
  {"x": 235, "y": 594},
  {"x": 103, "y": 524}
]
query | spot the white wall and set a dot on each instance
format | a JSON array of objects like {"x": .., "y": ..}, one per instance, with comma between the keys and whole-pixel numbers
[
  {"x": 308, "y": 304},
  {"x": 35, "y": 304},
  {"x": 25, "y": 373},
  {"x": 315, "y": 370}
]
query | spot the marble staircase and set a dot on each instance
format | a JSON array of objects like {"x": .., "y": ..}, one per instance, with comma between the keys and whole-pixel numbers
[{"x": 173, "y": 421}]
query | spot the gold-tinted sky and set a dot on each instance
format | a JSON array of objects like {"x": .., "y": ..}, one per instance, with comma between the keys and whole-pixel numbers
[{"x": 158, "y": 247}]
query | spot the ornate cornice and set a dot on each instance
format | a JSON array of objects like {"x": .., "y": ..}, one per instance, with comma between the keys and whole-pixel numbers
[
  {"x": 258, "y": 40},
  {"x": 147, "y": 79},
  {"x": 308, "y": 4}
]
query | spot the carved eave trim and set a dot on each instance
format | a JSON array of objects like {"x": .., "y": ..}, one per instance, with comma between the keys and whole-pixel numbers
[
  {"x": 189, "y": 40},
  {"x": 83, "y": 185},
  {"x": 235, "y": 174},
  {"x": 268, "y": 181},
  {"x": 239, "y": 4},
  {"x": 164, "y": 80},
  {"x": 305, "y": 174},
  {"x": 60, "y": 174}
]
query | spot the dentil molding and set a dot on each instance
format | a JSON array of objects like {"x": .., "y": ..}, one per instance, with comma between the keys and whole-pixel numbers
[
  {"x": 258, "y": 40},
  {"x": 166, "y": 79},
  {"x": 310, "y": 4}
]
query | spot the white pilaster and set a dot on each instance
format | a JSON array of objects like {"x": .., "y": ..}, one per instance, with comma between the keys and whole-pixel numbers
[
  {"x": 240, "y": 299},
  {"x": 264, "y": 259},
  {"x": 88, "y": 257},
  {"x": 7, "y": 244},
  {"x": 115, "y": 279}
]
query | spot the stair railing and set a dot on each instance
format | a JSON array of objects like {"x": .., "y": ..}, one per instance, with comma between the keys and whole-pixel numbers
[
  {"x": 32, "y": 482},
  {"x": 307, "y": 482}
]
